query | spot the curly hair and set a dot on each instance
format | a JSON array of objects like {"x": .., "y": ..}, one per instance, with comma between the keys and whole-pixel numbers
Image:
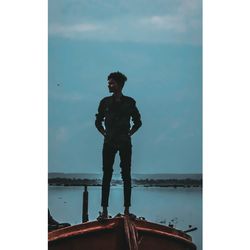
[{"x": 118, "y": 77}]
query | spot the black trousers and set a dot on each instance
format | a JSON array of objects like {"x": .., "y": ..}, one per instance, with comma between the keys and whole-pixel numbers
[{"x": 108, "y": 156}]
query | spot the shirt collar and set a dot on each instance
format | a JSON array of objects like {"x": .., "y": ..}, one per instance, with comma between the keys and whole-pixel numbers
[{"x": 122, "y": 97}]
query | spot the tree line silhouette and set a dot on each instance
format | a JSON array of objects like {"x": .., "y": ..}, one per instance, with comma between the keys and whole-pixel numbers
[{"x": 136, "y": 182}]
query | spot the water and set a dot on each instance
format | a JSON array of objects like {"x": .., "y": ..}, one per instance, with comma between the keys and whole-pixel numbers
[{"x": 180, "y": 206}]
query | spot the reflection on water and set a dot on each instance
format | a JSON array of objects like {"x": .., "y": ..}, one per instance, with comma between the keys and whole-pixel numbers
[{"x": 181, "y": 206}]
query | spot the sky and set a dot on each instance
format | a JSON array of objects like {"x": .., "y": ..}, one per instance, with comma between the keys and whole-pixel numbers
[{"x": 158, "y": 46}]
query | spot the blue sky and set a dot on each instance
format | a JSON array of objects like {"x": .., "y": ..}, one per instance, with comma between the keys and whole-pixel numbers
[{"x": 158, "y": 45}]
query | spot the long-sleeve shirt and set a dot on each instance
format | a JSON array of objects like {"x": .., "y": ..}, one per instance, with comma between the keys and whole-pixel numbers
[{"x": 116, "y": 116}]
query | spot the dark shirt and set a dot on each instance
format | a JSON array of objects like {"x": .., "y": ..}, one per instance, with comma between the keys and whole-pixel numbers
[{"x": 116, "y": 116}]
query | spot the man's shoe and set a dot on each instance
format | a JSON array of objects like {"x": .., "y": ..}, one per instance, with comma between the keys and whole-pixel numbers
[{"x": 103, "y": 216}]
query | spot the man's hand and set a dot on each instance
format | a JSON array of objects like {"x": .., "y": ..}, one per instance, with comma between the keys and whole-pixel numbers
[
  {"x": 102, "y": 131},
  {"x": 131, "y": 132}
]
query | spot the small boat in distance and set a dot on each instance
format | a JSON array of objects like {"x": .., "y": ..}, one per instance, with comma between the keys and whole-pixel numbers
[{"x": 119, "y": 233}]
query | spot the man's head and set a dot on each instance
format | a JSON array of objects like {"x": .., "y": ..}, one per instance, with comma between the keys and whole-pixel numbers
[{"x": 116, "y": 81}]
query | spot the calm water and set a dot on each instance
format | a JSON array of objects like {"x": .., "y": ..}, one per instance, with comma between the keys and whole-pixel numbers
[{"x": 182, "y": 206}]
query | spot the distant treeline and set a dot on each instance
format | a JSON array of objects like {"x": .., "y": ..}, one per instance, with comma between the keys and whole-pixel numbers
[
  {"x": 136, "y": 182},
  {"x": 169, "y": 182}
]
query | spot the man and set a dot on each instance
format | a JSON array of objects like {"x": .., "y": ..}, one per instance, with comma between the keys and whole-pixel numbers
[{"x": 115, "y": 111}]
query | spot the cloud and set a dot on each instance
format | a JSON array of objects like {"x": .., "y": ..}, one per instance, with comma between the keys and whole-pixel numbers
[
  {"x": 170, "y": 22},
  {"x": 69, "y": 30},
  {"x": 186, "y": 18},
  {"x": 167, "y": 23}
]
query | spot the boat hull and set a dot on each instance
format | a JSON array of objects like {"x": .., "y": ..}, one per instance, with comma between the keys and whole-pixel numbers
[{"x": 119, "y": 233}]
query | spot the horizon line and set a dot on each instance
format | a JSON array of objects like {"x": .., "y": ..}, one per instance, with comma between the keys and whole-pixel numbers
[{"x": 115, "y": 173}]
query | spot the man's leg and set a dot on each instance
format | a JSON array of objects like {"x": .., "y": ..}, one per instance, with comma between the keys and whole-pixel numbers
[
  {"x": 108, "y": 157},
  {"x": 125, "y": 151}
]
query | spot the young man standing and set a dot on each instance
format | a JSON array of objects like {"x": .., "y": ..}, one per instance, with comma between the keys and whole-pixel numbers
[{"x": 115, "y": 112}]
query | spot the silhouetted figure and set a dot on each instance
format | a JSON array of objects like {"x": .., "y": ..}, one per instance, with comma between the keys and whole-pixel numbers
[{"x": 115, "y": 112}]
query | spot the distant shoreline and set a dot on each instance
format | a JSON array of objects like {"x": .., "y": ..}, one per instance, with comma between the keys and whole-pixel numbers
[{"x": 186, "y": 183}]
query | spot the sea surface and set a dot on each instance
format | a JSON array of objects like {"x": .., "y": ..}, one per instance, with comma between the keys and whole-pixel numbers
[{"x": 179, "y": 206}]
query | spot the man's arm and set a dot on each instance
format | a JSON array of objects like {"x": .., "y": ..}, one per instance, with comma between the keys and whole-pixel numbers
[
  {"x": 100, "y": 118},
  {"x": 136, "y": 118}
]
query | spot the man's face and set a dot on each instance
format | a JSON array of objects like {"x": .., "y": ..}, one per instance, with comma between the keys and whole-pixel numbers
[{"x": 113, "y": 85}]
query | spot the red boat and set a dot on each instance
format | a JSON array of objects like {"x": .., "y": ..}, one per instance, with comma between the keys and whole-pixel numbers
[{"x": 123, "y": 233}]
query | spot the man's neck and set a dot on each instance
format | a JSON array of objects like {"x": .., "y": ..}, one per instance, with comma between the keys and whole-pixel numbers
[{"x": 117, "y": 95}]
